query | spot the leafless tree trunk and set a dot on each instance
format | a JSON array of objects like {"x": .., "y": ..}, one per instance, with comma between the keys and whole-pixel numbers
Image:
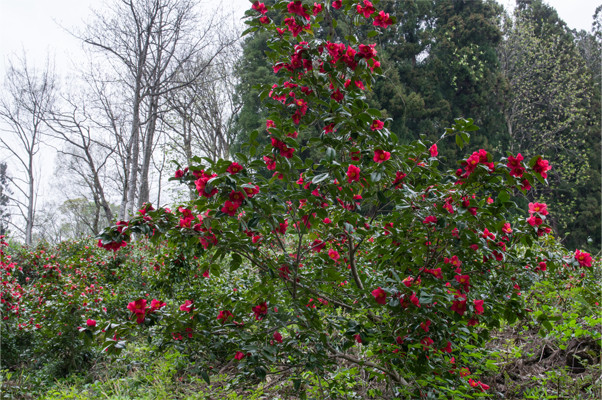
[
  {"x": 28, "y": 98},
  {"x": 149, "y": 42},
  {"x": 73, "y": 127}
]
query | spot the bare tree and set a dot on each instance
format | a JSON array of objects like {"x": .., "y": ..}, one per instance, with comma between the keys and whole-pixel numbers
[
  {"x": 148, "y": 43},
  {"x": 26, "y": 101},
  {"x": 202, "y": 114},
  {"x": 84, "y": 157}
]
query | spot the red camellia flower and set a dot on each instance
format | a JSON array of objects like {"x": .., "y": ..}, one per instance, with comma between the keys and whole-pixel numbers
[
  {"x": 433, "y": 150},
  {"x": 113, "y": 246},
  {"x": 478, "y": 306},
  {"x": 234, "y": 168},
  {"x": 251, "y": 191},
  {"x": 224, "y": 315},
  {"x": 156, "y": 304},
  {"x": 383, "y": 20},
  {"x": 431, "y": 219},
  {"x": 540, "y": 208},
  {"x": 380, "y": 296},
  {"x": 239, "y": 355},
  {"x": 317, "y": 8},
  {"x": 332, "y": 253},
  {"x": 515, "y": 165},
  {"x": 91, "y": 323},
  {"x": 259, "y": 7},
  {"x": 426, "y": 342},
  {"x": 377, "y": 125},
  {"x": 336, "y": 4},
  {"x": 367, "y": 10},
  {"x": 414, "y": 300},
  {"x": 296, "y": 7},
  {"x": 187, "y": 306},
  {"x": 478, "y": 384},
  {"x": 459, "y": 306},
  {"x": 138, "y": 308},
  {"x": 260, "y": 310},
  {"x": 542, "y": 166},
  {"x": 236, "y": 197},
  {"x": 230, "y": 208},
  {"x": 584, "y": 259},
  {"x": 353, "y": 174},
  {"x": 277, "y": 337},
  {"x": 381, "y": 156},
  {"x": 270, "y": 163}
]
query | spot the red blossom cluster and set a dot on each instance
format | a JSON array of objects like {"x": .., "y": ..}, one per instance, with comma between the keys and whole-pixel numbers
[{"x": 140, "y": 310}]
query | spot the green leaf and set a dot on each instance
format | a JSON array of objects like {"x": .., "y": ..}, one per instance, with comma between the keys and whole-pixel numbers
[
  {"x": 459, "y": 141},
  {"x": 205, "y": 377},
  {"x": 376, "y": 176},
  {"x": 503, "y": 196},
  {"x": 319, "y": 178}
]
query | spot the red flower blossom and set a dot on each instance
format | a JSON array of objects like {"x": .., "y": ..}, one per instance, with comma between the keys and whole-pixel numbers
[
  {"x": 277, "y": 337},
  {"x": 463, "y": 280},
  {"x": 187, "y": 306},
  {"x": 414, "y": 300},
  {"x": 251, "y": 191},
  {"x": 584, "y": 259},
  {"x": 459, "y": 306},
  {"x": 234, "y": 168},
  {"x": 353, "y": 174},
  {"x": 113, "y": 246},
  {"x": 367, "y": 51},
  {"x": 534, "y": 220},
  {"x": 156, "y": 304},
  {"x": 515, "y": 165},
  {"x": 91, "y": 323},
  {"x": 264, "y": 20},
  {"x": 540, "y": 208},
  {"x": 259, "y": 7},
  {"x": 431, "y": 219},
  {"x": 260, "y": 310},
  {"x": 296, "y": 7},
  {"x": 236, "y": 197},
  {"x": 224, "y": 315},
  {"x": 138, "y": 308},
  {"x": 239, "y": 355},
  {"x": 377, "y": 125},
  {"x": 367, "y": 10},
  {"x": 332, "y": 253},
  {"x": 426, "y": 342},
  {"x": 383, "y": 20},
  {"x": 433, "y": 150},
  {"x": 478, "y": 307},
  {"x": 270, "y": 163},
  {"x": 542, "y": 166},
  {"x": 317, "y": 8},
  {"x": 381, "y": 156},
  {"x": 336, "y": 4},
  {"x": 425, "y": 325},
  {"x": 230, "y": 208},
  {"x": 380, "y": 296}
]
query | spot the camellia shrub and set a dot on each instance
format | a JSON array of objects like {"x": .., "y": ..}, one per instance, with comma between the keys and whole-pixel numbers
[{"x": 370, "y": 254}]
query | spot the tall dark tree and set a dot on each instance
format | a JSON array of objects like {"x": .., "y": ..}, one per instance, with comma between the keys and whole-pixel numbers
[{"x": 548, "y": 110}]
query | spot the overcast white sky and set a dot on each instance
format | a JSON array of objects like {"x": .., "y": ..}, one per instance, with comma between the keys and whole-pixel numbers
[{"x": 35, "y": 25}]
